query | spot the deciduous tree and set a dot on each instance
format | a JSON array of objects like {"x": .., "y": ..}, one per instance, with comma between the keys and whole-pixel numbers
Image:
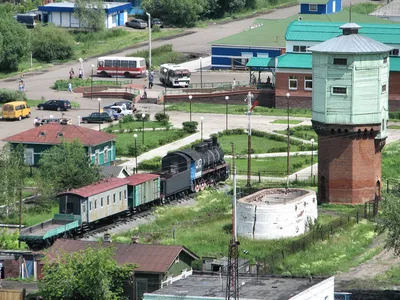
[
  {"x": 66, "y": 166},
  {"x": 88, "y": 274},
  {"x": 90, "y": 14},
  {"x": 389, "y": 221}
]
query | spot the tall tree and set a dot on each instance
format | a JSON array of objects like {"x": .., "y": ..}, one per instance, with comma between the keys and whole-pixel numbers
[
  {"x": 66, "y": 166},
  {"x": 12, "y": 174},
  {"x": 90, "y": 14},
  {"x": 389, "y": 220},
  {"x": 88, "y": 274}
]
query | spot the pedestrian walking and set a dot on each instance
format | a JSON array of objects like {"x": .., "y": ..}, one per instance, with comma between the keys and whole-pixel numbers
[
  {"x": 151, "y": 78},
  {"x": 233, "y": 84},
  {"x": 70, "y": 87},
  {"x": 80, "y": 74},
  {"x": 144, "y": 92},
  {"x": 71, "y": 73}
]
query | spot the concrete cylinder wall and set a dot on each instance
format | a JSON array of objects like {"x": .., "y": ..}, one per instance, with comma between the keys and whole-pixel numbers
[{"x": 272, "y": 216}]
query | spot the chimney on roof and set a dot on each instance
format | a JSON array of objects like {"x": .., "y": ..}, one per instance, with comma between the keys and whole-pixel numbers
[
  {"x": 107, "y": 238},
  {"x": 135, "y": 239},
  {"x": 350, "y": 28}
]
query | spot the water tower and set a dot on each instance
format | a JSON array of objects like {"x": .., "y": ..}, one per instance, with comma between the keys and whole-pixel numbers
[{"x": 350, "y": 115}]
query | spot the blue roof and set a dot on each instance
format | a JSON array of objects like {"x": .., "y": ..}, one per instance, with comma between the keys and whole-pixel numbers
[{"x": 109, "y": 7}]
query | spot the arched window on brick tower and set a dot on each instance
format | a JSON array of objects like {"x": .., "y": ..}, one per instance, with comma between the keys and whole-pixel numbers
[{"x": 378, "y": 191}]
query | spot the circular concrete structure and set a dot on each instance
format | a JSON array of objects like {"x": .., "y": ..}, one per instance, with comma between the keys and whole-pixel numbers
[{"x": 275, "y": 213}]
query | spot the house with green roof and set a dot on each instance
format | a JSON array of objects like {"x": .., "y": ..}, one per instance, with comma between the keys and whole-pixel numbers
[
  {"x": 300, "y": 35},
  {"x": 320, "y": 6},
  {"x": 266, "y": 38}
]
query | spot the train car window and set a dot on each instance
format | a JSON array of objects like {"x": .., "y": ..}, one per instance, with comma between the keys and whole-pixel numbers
[
  {"x": 125, "y": 194},
  {"x": 108, "y": 200},
  {"x": 101, "y": 202},
  {"x": 114, "y": 198},
  {"x": 120, "y": 196},
  {"x": 90, "y": 205}
]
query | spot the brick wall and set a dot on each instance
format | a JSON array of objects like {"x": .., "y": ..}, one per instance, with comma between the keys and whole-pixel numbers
[
  {"x": 282, "y": 85},
  {"x": 349, "y": 167}
]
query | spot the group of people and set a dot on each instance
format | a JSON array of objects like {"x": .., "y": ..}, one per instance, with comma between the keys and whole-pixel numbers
[
  {"x": 72, "y": 73},
  {"x": 150, "y": 78}
]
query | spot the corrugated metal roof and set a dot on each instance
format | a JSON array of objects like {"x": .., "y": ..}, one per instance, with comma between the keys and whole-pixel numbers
[
  {"x": 261, "y": 62},
  {"x": 113, "y": 171},
  {"x": 352, "y": 43},
  {"x": 54, "y": 133},
  {"x": 149, "y": 258},
  {"x": 98, "y": 187},
  {"x": 322, "y": 31},
  {"x": 140, "y": 178},
  {"x": 295, "y": 60},
  {"x": 392, "y": 9}
]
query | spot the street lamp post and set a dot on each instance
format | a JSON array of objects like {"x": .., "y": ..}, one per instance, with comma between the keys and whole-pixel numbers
[
  {"x": 143, "y": 116},
  {"x": 190, "y": 107},
  {"x": 312, "y": 157},
  {"x": 288, "y": 143},
  {"x": 149, "y": 25},
  {"x": 81, "y": 61},
  {"x": 99, "y": 100},
  {"x": 135, "y": 136},
  {"x": 226, "y": 100},
  {"x": 91, "y": 85},
  {"x": 79, "y": 120},
  {"x": 201, "y": 127},
  {"x": 165, "y": 88},
  {"x": 201, "y": 72}
]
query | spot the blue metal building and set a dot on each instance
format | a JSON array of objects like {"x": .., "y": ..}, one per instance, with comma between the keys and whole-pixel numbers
[{"x": 320, "y": 6}]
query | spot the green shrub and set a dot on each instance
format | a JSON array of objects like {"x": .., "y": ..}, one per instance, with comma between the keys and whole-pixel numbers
[
  {"x": 161, "y": 117},
  {"x": 156, "y": 28},
  {"x": 190, "y": 127},
  {"x": 7, "y": 95},
  {"x": 127, "y": 119},
  {"x": 153, "y": 164},
  {"x": 138, "y": 117},
  {"x": 52, "y": 43},
  {"x": 95, "y": 36}
]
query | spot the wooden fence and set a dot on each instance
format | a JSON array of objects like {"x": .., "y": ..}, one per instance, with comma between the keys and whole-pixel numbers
[{"x": 12, "y": 294}]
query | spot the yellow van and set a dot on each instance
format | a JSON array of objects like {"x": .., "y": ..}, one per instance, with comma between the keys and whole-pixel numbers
[{"x": 16, "y": 110}]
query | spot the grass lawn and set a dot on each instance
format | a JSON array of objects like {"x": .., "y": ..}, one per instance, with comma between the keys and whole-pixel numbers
[
  {"x": 258, "y": 144},
  {"x": 273, "y": 166},
  {"x": 30, "y": 217},
  {"x": 394, "y": 126},
  {"x": 304, "y": 132},
  {"x": 62, "y": 84},
  {"x": 283, "y": 121},
  {"x": 364, "y": 8},
  {"x": 391, "y": 161},
  {"x": 152, "y": 139},
  {"x": 237, "y": 109},
  {"x": 134, "y": 125}
]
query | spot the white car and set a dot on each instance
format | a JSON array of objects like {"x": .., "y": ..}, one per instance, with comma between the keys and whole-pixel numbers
[{"x": 122, "y": 110}]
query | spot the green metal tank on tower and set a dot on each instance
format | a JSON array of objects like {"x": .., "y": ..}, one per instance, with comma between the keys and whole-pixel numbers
[{"x": 350, "y": 115}]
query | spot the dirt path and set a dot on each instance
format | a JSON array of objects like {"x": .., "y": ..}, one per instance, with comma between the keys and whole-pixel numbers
[{"x": 357, "y": 277}]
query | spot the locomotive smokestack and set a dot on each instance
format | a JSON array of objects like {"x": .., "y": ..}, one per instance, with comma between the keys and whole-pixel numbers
[{"x": 214, "y": 141}]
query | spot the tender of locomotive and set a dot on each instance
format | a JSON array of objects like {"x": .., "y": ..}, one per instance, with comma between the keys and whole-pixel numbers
[{"x": 183, "y": 172}]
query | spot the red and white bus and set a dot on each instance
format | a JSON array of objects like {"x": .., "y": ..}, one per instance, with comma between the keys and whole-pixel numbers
[{"x": 121, "y": 66}]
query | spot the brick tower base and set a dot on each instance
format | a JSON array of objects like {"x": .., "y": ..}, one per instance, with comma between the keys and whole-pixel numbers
[{"x": 349, "y": 163}]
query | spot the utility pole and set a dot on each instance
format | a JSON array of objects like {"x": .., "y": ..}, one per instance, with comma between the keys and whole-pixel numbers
[
  {"x": 288, "y": 143},
  {"x": 249, "y": 106},
  {"x": 234, "y": 227}
]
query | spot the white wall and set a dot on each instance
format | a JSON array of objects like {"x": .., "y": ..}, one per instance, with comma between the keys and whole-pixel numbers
[
  {"x": 74, "y": 21},
  {"x": 276, "y": 219},
  {"x": 325, "y": 290},
  {"x": 65, "y": 19},
  {"x": 290, "y": 44},
  {"x": 55, "y": 18}
]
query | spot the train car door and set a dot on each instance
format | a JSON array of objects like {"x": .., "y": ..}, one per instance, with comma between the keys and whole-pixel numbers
[{"x": 84, "y": 212}]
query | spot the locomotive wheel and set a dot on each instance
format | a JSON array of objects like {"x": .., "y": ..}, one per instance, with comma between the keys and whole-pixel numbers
[
  {"x": 197, "y": 188},
  {"x": 202, "y": 186}
]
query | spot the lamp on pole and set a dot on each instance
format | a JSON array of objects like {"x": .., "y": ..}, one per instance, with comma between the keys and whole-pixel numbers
[
  {"x": 79, "y": 120},
  {"x": 190, "y": 107},
  {"x": 312, "y": 157},
  {"x": 201, "y": 72},
  {"x": 201, "y": 127},
  {"x": 135, "y": 137},
  {"x": 249, "y": 109},
  {"x": 149, "y": 25},
  {"x": 143, "y": 116},
  {"x": 165, "y": 87},
  {"x": 226, "y": 100},
  {"x": 99, "y": 100},
  {"x": 81, "y": 61},
  {"x": 288, "y": 143},
  {"x": 91, "y": 85}
]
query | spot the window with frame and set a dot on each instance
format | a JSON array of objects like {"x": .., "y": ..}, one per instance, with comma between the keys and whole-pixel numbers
[
  {"x": 95, "y": 204},
  {"x": 101, "y": 201},
  {"x": 394, "y": 52},
  {"x": 296, "y": 48},
  {"x": 385, "y": 60},
  {"x": 105, "y": 154},
  {"x": 96, "y": 157},
  {"x": 313, "y": 7},
  {"x": 292, "y": 83},
  {"x": 339, "y": 90},
  {"x": 384, "y": 89},
  {"x": 114, "y": 197},
  {"x": 308, "y": 83},
  {"x": 125, "y": 194},
  {"x": 108, "y": 200},
  {"x": 120, "y": 196},
  {"x": 90, "y": 205},
  {"x": 340, "y": 61}
]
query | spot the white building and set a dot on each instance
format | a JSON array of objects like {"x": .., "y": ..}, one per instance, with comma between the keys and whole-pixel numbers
[{"x": 62, "y": 14}]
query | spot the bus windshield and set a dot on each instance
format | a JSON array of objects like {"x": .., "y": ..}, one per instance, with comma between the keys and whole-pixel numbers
[{"x": 181, "y": 73}]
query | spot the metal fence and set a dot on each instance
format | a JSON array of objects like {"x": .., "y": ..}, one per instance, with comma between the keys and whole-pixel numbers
[{"x": 271, "y": 262}]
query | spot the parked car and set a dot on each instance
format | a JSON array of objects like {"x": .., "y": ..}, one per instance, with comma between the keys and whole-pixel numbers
[
  {"x": 136, "y": 23},
  {"x": 55, "y": 105},
  {"x": 97, "y": 117},
  {"x": 122, "y": 110},
  {"x": 157, "y": 21},
  {"x": 62, "y": 121},
  {"x": 113, "y": 113},
  {"x": 128, "y": 105}
]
